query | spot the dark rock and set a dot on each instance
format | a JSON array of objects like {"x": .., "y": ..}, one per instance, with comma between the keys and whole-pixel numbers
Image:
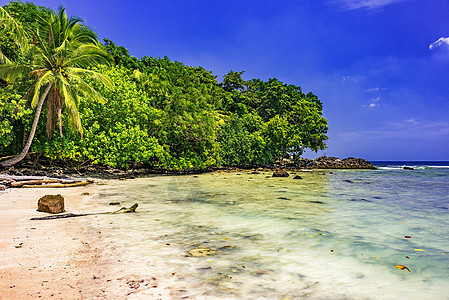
[
  {"x": 281, "y": 174},
  {"x": 297, "y": 177},
  {"x": 324, "y": 162},
  {"x": 114, "y": 203},
  {"x": 407, "y": 168},
  {"x": 53, "y": 204},
  {"x": 255, "y": 172}
]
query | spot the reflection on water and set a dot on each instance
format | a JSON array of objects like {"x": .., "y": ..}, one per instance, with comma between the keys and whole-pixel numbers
[{"x": 329, "y": 235}]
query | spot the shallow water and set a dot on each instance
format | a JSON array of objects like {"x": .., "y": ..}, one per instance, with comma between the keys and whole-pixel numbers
[{"x": 330, "y": 235}]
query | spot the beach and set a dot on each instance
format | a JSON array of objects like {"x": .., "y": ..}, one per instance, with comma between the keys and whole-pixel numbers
[
  {"x": 329, "y": 235},
  {"x": 56, "y": 259}
]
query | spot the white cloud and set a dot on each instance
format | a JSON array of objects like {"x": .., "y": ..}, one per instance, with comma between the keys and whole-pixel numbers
[
  {"x": 374, "y": 103},
  {"x": 367, "y": 4},
  {"x": 442, "y": 41},
  {"x": 378, "y": 89},
  {"x": 410, "y": 128}
]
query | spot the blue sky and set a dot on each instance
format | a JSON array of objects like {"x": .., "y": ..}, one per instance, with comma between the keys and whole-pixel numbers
[{"x": 381, "y": 67}]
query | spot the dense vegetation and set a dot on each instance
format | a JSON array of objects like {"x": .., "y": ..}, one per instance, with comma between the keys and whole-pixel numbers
[{"x": 160, "y": 113}]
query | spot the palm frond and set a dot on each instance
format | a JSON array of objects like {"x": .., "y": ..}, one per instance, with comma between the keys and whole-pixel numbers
[
  {"x": 104, "y": 79},
  {"x": 21, "y": 38},
  {"x": 70, "y": 102},
  {"x": 88, "y": 55},
  {"x": 12, "y": 72},
  {"x": 3, "y": 58},
  {"x": 88, "y": 91}
]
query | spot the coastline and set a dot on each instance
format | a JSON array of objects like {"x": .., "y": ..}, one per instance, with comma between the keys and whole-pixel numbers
[{"x": 65, "y": 170}]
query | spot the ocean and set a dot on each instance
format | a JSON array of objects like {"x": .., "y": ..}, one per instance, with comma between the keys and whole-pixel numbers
[{"x": 334, "y": 234}]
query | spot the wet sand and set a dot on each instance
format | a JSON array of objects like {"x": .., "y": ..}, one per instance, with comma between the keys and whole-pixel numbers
[{"x": 61, "y": 258}]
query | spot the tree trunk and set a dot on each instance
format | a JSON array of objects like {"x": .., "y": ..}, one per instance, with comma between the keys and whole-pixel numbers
[{"x": 14, "y": 160}]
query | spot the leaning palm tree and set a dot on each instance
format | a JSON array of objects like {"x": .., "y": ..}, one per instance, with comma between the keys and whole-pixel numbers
[{"x": 62, "y": 53}]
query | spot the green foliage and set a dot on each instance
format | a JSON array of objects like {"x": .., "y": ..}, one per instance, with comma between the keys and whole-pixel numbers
[
  {"x": 289, "y": 121},
  {"x": 241, "y": 141},
  {"x": 164, "y": 114},
  {"x": 14, "y": 118}
]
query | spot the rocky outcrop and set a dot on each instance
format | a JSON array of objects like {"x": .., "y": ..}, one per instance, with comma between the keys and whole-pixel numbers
[
  {"x": 53, "y": 204},
  {"x": 324, "y": 162}
]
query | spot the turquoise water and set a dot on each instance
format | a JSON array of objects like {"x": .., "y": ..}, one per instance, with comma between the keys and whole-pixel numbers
[{"x": 330, "y": 235}]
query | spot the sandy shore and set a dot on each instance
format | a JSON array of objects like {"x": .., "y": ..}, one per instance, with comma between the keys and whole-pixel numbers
[{"x": 62, "y": 258}]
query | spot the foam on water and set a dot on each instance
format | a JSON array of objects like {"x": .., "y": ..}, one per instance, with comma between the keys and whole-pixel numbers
[{"x": 330, "y": 235}]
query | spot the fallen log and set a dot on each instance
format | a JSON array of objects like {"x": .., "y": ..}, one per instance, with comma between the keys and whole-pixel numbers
[
  {"x": 33, "y": 182},
  {"x": 70, "y": 215},
  {"x": 61, "y": 185},
  {"x": 23, "y": 178}
]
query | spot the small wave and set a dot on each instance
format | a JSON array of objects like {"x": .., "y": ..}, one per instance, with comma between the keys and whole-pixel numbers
[
  {"x": 437, "y": 167},
  {"x": 411, "y": 166}
]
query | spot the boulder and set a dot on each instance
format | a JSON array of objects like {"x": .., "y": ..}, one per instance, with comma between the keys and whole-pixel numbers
[
  {"x": 281, "y": 174},
  {"x": 297, "y": 177},
  {"x": 53, "y": 204}
]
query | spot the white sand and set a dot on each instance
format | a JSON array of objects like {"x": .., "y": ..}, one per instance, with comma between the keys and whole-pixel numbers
[{"x": 51, "y": 259}]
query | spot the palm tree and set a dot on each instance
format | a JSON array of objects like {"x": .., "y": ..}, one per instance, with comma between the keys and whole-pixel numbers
[{"x": 61, "y": 55}]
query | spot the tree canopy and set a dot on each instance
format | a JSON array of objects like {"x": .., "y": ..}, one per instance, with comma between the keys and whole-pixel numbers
[
  {"x": 58, "y": 55},
  {"x": 162, "y": 113}
]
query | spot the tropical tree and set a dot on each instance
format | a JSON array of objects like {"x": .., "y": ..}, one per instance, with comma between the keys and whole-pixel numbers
[{"x": 59, "y": 56}]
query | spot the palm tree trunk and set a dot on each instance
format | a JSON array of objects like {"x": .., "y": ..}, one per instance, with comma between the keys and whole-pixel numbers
[{"x": 26, "y": 148}]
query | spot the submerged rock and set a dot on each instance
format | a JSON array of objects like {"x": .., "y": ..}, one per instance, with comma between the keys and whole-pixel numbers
[
  {"x": 53, "y": 204},
  {"x": 197, "y": 252},
  {"x": 297, "y": 177}
]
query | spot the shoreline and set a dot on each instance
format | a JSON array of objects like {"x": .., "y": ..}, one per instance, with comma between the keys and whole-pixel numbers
[{"x": 62, "y": 170}]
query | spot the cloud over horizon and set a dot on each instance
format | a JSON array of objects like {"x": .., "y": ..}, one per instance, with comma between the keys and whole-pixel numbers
[{"x": 410, "y": 128}]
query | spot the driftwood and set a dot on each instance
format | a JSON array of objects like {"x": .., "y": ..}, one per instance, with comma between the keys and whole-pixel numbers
[
  {"x": 70, "y": 215},
  {"x": 61, "y": 216},
  {"x": 33, "y": 182},
  {"x": 40, "y": 182},
  {"x": 21, "y": 178},
  {"x": 125, "y": 210},
  {"x": 61, "y": 185}
]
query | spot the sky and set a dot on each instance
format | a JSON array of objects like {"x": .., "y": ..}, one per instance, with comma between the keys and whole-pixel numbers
[{"x": 380, "y": 67}]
